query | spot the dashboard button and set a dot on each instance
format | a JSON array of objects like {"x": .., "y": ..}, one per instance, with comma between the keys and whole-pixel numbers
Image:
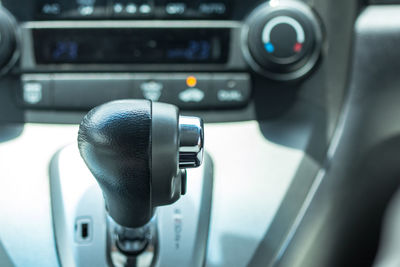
[
  {"x": 151, "y": 89},
  {"x": 36, "y": 91},
  {"x": 82, "y": 9},
  {"x": 118, "y": 8},
  {"x": 190, "y": 91},
  {"x": 145, "y": 9},
  {"x": 131, "y": 8},
  {"x": 175, "y": 9},
  {"x": 49, "y": 9},
  {"x": 213, "y": 9},
  {"x": 89, "y": 9},
  {"x": 230, "y": 90}
]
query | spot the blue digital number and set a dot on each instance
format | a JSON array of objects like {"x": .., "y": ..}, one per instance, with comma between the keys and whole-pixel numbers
[
  {"x": 205, "y": 50},
  {"x": 196, "y": 50},
  {"x": 65, "y": 50}
]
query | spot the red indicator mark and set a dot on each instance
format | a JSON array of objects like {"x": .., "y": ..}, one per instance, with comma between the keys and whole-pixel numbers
[{"x": 297, "y": 47}]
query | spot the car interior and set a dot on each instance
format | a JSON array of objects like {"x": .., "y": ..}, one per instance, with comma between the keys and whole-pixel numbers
[{"x": 217, "y": 133}]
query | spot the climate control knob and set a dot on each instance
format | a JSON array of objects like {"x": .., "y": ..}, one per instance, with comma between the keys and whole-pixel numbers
[
  {"x": 8, "y": 41},
  {"x": 282, "y": 39}
]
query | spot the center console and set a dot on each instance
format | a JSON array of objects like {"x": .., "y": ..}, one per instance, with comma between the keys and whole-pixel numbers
[{"x": 231, "y": 59}]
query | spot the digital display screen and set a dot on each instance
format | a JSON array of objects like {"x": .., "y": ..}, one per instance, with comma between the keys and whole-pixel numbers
[{"x": 131, "y": 46}]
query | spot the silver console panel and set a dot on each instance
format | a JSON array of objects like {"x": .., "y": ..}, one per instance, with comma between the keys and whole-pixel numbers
[
  {"x": 77, "y": 203},
  {"x": 248, "y": 188},
  {"x": 80, "y": 220}
]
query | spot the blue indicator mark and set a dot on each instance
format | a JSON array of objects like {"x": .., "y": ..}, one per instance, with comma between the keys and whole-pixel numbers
[{"x": 269, "y": 47}]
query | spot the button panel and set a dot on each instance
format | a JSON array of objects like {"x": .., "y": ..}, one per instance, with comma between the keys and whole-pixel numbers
[
  {"x": 190, "y": 91},
  {"x": 132, "y": 9}
]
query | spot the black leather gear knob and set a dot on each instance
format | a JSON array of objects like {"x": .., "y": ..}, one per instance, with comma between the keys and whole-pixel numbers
[{"x": 132, "y": 149}]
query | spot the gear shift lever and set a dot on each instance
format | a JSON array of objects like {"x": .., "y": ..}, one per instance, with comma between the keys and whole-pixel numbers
[{"x": 137, "y": 151}]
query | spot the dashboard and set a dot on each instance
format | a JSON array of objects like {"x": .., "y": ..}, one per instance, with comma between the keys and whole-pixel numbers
[
  {"x": 287, "y": 90},
  {"x": 198, "y": 55}
]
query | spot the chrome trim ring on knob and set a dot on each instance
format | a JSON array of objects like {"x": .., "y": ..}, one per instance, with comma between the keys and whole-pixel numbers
[{"x": 191, "y": 142}]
